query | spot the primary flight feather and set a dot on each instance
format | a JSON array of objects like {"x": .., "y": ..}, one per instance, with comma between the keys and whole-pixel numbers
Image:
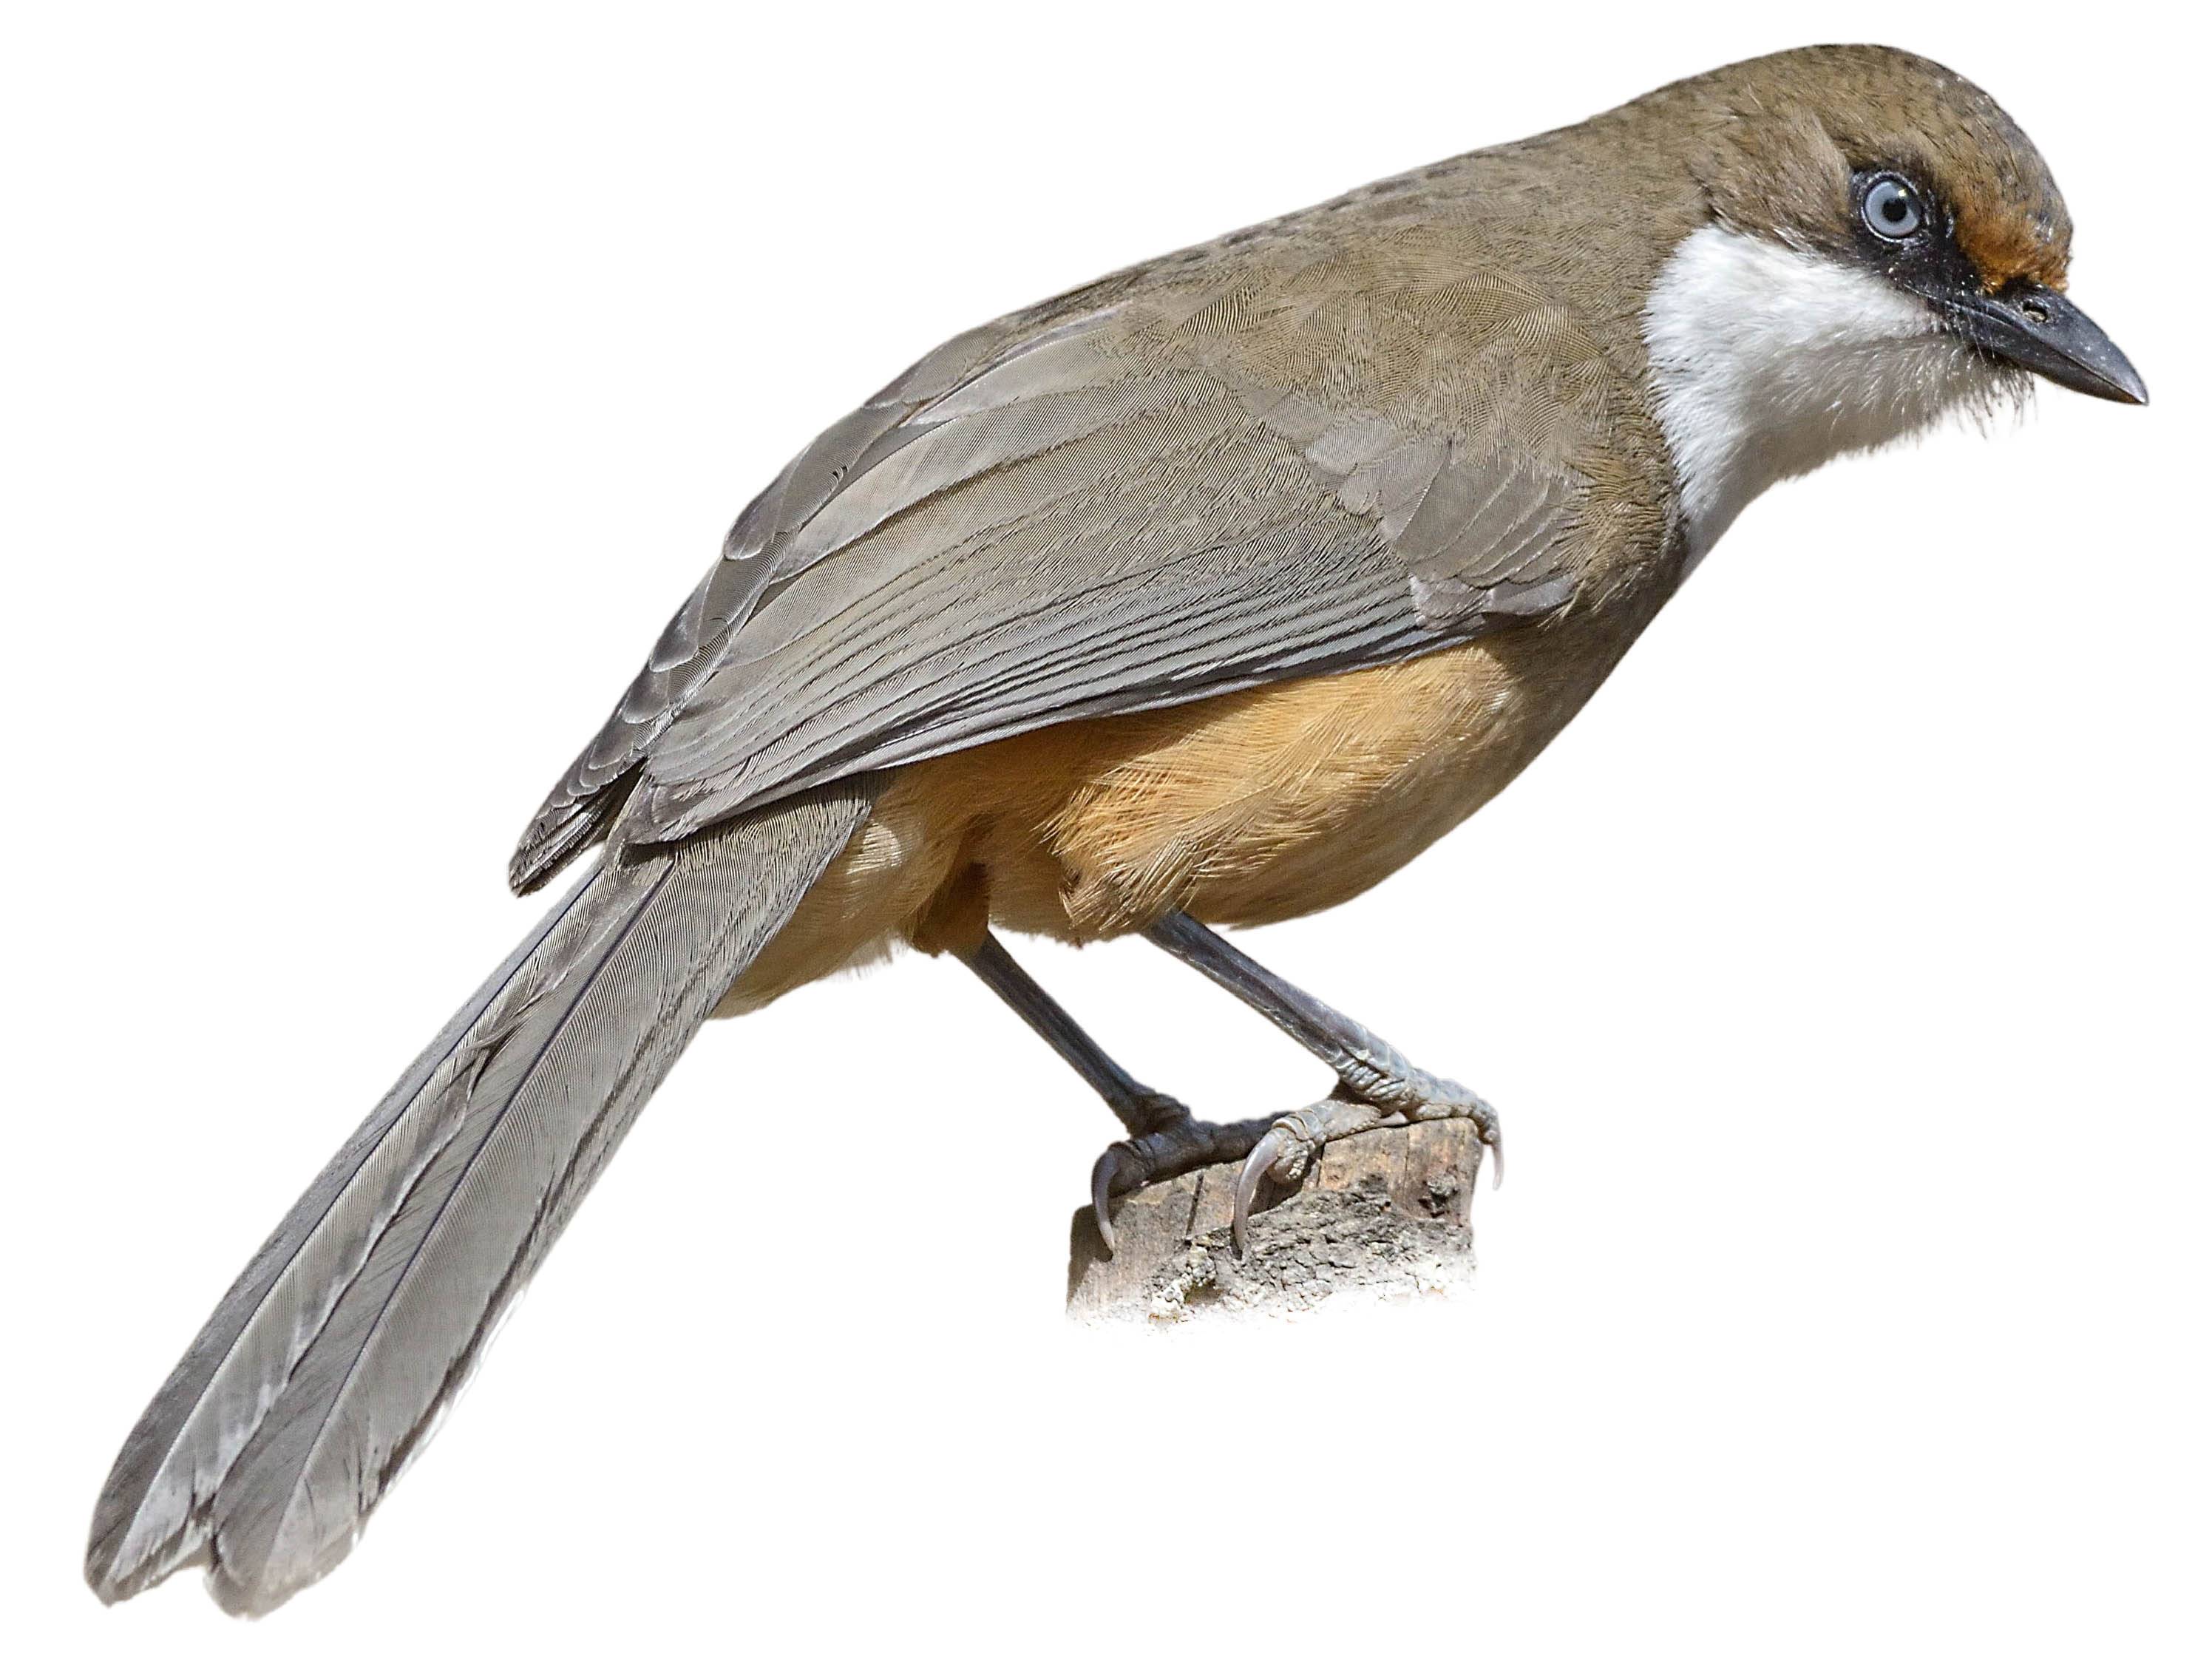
[{"x": 1212, "y": 592}]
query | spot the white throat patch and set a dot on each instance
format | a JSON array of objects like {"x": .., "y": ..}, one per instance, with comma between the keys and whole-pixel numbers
[{"x": 1770, "y": 360}]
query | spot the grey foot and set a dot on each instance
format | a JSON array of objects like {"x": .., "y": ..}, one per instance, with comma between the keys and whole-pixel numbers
[
  {"x": 1286, "y": 1150},
  {"x": 1171, "y": 1143}
]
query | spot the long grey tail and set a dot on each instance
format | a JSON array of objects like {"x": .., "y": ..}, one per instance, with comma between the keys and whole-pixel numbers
[{"x": 329, "y": 1361}]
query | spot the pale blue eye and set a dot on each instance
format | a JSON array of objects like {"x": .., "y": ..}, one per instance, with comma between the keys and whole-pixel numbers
[{"x": 1891, "y": 209}]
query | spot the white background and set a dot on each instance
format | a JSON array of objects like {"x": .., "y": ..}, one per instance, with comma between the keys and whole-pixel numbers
[{"x": 378, "y": 378}]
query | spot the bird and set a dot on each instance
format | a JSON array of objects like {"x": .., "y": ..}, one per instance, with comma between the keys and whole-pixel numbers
[{"x": 1202, "y": 596}]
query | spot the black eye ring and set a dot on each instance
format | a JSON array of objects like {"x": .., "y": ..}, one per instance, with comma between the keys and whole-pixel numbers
[{"x": 1891, "y": 208}]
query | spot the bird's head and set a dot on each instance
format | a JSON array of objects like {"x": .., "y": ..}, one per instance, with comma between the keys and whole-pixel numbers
[{"x": 1880, "y": 245}]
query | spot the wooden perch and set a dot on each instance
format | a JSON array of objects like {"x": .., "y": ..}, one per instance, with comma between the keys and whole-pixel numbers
[{"x": 1382, "y": 1215}]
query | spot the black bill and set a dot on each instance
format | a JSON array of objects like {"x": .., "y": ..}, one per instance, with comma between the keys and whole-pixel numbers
[{"x": 2040, "y": 328}]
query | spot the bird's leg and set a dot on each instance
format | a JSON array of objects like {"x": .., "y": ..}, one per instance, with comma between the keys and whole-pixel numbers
[
  {"x": 1141, "y": 1109},
  {"x": 1376, "y": 1085},
  {"x": 1165, "y": 1138}
]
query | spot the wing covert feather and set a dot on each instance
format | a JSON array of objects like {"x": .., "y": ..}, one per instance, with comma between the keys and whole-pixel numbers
[{"x": 1161, "y": 489}]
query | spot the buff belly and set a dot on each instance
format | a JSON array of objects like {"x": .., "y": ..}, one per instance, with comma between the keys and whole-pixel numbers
[{"x": 1248, "y": 808}]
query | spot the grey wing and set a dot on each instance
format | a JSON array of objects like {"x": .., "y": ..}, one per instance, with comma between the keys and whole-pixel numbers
[{"x": 1048, "y": 520}]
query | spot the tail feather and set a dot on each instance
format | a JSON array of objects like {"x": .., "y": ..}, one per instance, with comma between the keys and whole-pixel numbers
[{"x": 330, "y": 1360}]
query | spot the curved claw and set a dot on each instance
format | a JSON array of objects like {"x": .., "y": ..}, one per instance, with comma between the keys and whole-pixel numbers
[
  {"x": 1264, "y": 1156},
  {"x": 1102, "y": 1193},
  {"x": 1262, "y": 1159}
]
